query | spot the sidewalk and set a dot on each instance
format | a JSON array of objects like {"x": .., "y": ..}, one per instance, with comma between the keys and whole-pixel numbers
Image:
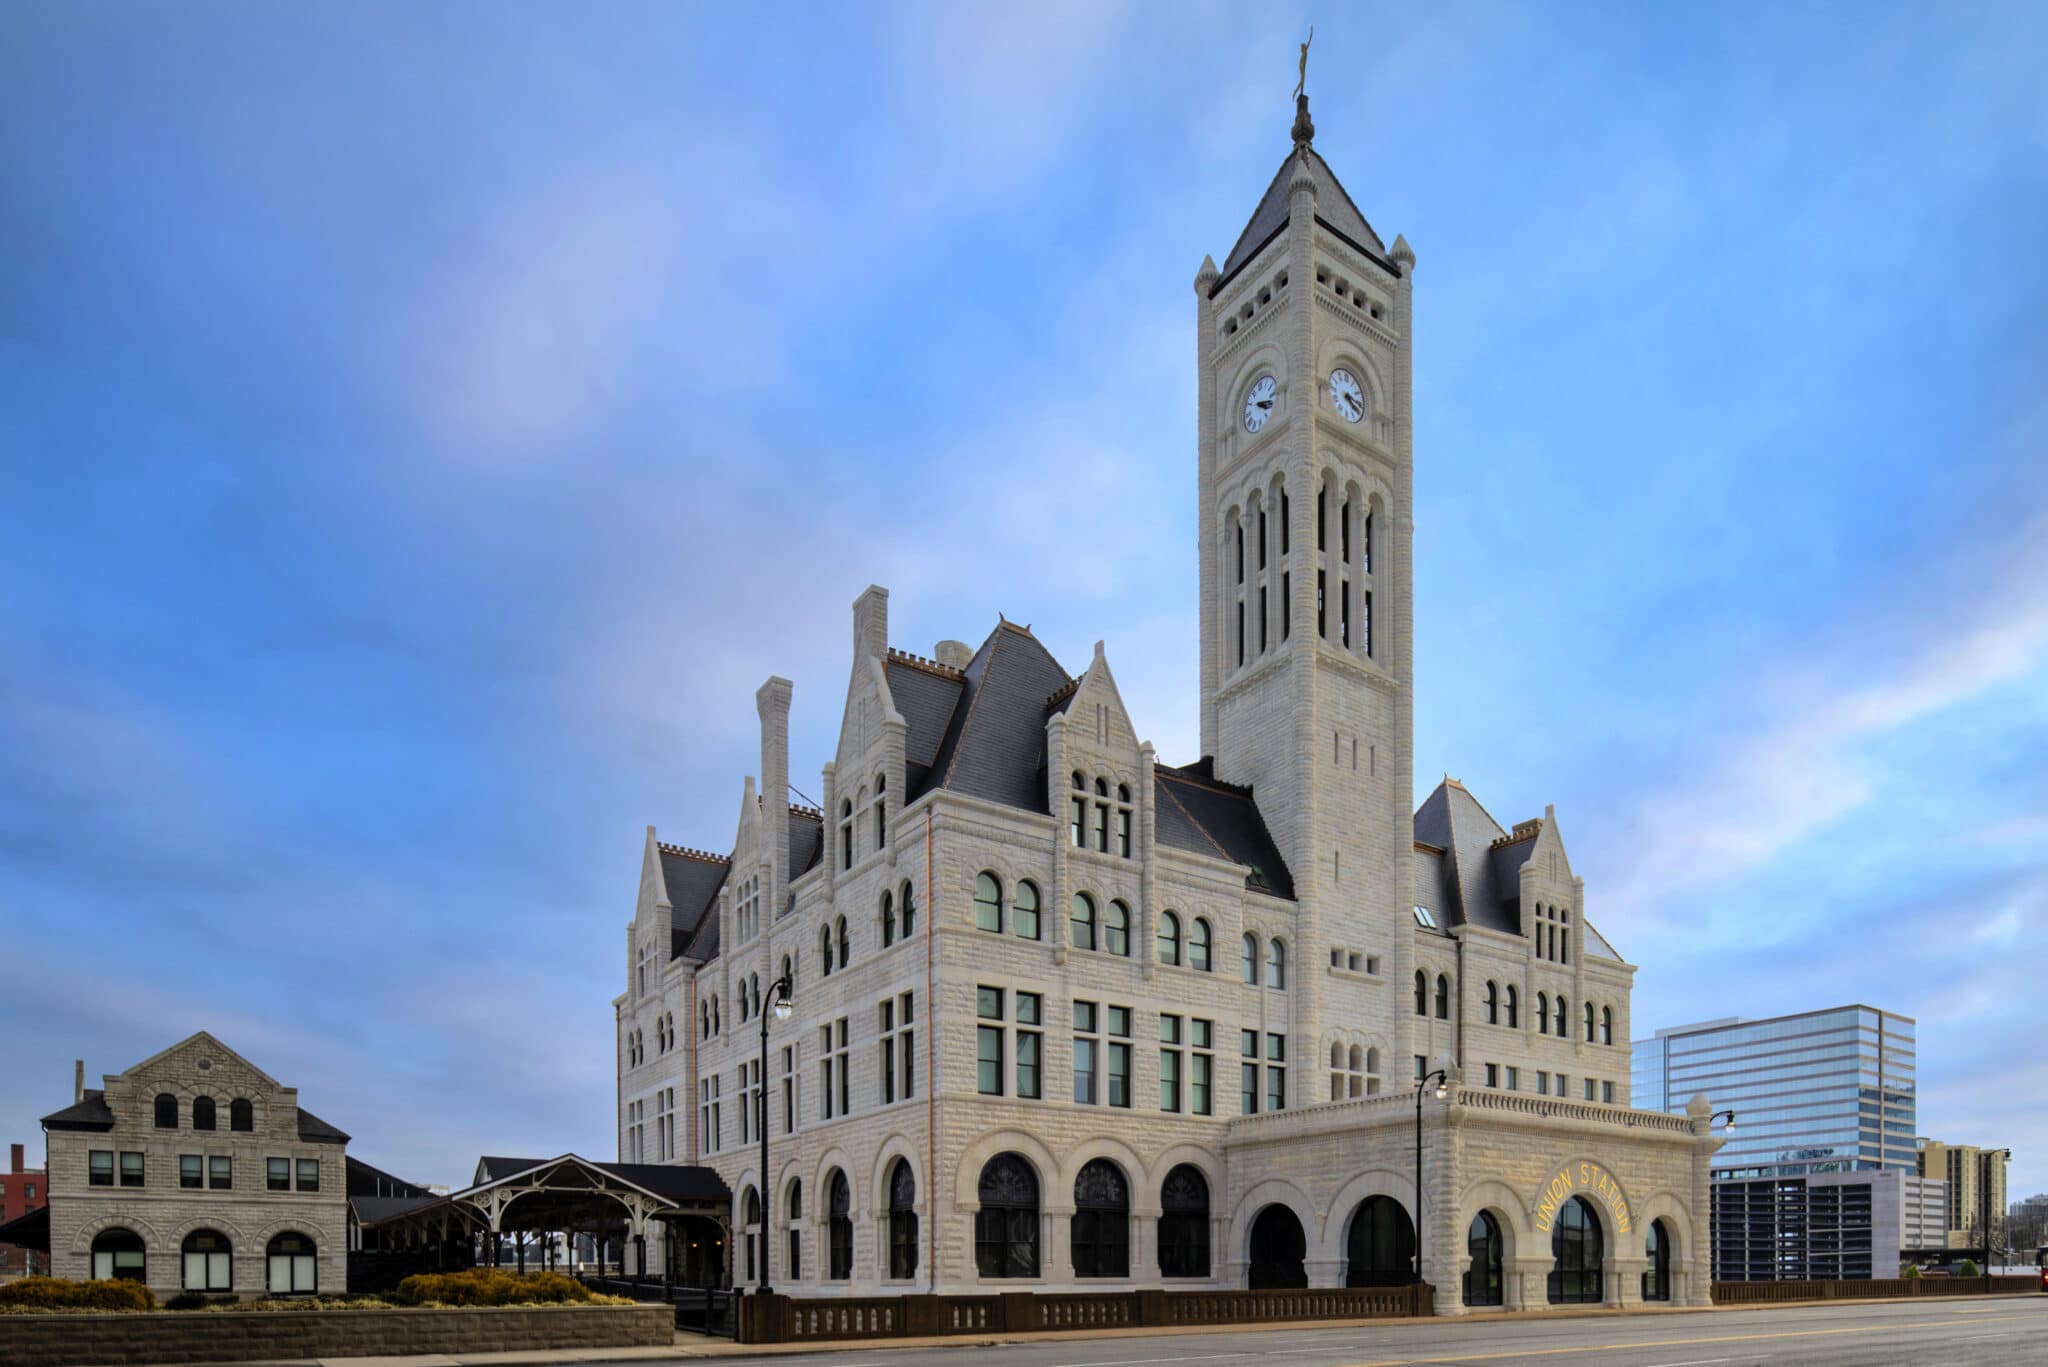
[{"x": 689, "y": 1345}]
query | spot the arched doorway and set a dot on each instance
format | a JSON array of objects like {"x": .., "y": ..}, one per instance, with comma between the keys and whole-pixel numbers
[
  {"x": 1482, "y": 1245},
  {"x": 1278, "y": 1248},
  {"x": 1578, "y": 1249},
  {"x": 1006, "y": 1226},
  {"x": 1184, "y": 1223},
  {"x": 1100, "y": 1236},
  {"x": 1657, "y": 1262},
  {"x": 1380, "y": 1245}
]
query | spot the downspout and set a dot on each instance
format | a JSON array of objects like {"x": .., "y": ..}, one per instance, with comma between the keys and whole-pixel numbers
[
  {"x": 618, "y": 1082},
  {"x": 931, "y": 1143}
]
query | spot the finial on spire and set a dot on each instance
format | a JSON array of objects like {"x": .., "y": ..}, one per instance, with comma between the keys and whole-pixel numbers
[{"x": 1304, "y": 131}]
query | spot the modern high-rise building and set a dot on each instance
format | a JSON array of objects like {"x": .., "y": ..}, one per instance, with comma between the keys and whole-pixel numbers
[
  {"x": 1821, "y": 1091},
  {"x": 1976, "y": 1188}
]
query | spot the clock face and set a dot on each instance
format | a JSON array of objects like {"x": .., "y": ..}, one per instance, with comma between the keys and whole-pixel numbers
[
  {"x": 1258, "y": 403},
  {"x": 1345, "y": 394}
]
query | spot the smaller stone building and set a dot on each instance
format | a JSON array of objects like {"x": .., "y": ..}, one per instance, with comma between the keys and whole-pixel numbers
[{"x": 195, "y": 1170}]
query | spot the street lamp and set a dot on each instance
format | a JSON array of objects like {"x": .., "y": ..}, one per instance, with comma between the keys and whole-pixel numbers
[
  {"x": 1717, "y": 1115},
  {"x": 781, "y": 1002},
  {"x": 1440, "y": 1078}
]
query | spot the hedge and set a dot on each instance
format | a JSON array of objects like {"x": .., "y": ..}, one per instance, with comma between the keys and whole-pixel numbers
[
  {"x": 495, "y": 1286},
  {"x": 55, "y": 1293}
]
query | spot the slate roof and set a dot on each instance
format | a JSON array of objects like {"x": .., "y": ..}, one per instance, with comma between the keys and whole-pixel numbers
[
  {"x": 926, "y": 698},
  {"x": 30, "y": 1231},
  {"x": 1334, "y": 210},
  {"x": 370, "y": 1209},
  {"x": 314, "y": 1130},
  {"x": 806, "y": 842},
  {"x": 1452, "y": 820},
  {"x": 693, "y": 879},
  {"x": 92, "y": 1113},
  {"x": 1198, "y": 813},
  {"x": 994, "y": 743}
]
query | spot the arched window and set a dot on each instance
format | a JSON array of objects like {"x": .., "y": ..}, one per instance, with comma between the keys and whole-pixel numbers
[
  {"x": 988, "y": 903},
  {"x": 166, "y": 1111},
  {"x": 1542, "y": 1013},
  {"x": 1024, "y": 909},
  {"x": 881, "y": 810},
  {"x": 1184, "y": 1223},
  {"x": 1607, "y": 1025},
  {"x": 1276, "y": 963},
  {"x": 1006, "y": 1226},
  {"x": 906, "y": 901},
  {"x": 1514, "y": 1007},
  {"x": 750, "y": 1227},
  {"x": 1169, "y": 939},
  {"x": 1077, "y": 819},
  {"x": 744, "y": 1005},
  {"x": 1102, "y": 1221},
  {"x": 1198, "y": 945},
  {"x": 888, "y": 918},
  {"x": 1562, "y": 1019},
  {"x": 846, "y": 835},
  {"x": 1380, "y": 1245},
  {"x": 1576, "y": 1250},
  {"x": 1656, "y": 1262},
  {"x": 795, "y": 1208},
  {"x": 839, "y": 929},
  {"x": 1588, "y": 1015},
  {"x": 1492, "y": 1003},
  {"x": 1443, "y": 997},
  {"x": 202, "y": 1112},
  {"x": 294, "y": 1270},
  {"x": 839, "y": 1229},
  {"x": 902, "y": 1222},
  {"x": 1421, "y": 993},
  {"x": 1348, "y": 1071},
  {"x": 117, "y": 1256},
  {"x": 1248, "y": 959},
  {"x": 1483, "y": 1277},
  {"x": 209, "y": 1262},
  {"x": 1081, "y": 922},
  {"x": 825, "y": 949},
  {"x": 1116, "y": 929}
]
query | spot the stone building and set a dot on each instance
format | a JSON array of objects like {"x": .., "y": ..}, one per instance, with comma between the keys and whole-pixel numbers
[
  {"x": 195, "y": 1170},
  {"x": 1069, "y": 1017}
]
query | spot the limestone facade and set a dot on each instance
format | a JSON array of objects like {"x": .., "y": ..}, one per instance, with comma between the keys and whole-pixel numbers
[
  {"x": 1353, "y": 945},
  {"x": 141, "y": 1184}
]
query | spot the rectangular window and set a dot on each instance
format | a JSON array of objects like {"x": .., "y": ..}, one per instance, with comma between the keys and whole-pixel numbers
[
  {"x": 1542, "y": 1083},
  {"x": 1322, "y": 609},
  {"x": 1344, "y": 612},
  {"x": 1240, "y": 634},
  {"x": 1285, "y": 518},
  {"x": 1240, "y": 552},
  {"x": 1030, "y": 1046},
  {"x": 1202, "y": 1035},
  {"x": 1102, "y": 827},
  {"x": 277, "y": 1174},
  {"x": 1248, "y": 1072},
  {"x": 131, "y": 1169},
  {"x": 1322, "y": 521},
  {"x": 1262, "y": 538},
  {"x": 789, "y": 1089},
  {"x": 1169, "y": 1080},
  {"x": 1078, "y": 819},
  {"x": 220, "y": 1173},
  {"x": 1286, "y": 602},
  {"x": 1276, "y": 1072},
  {"x": 1119, "y": 1074},
  {"x": 989, "y": 1059},
  {"x": 1564, "y": 1086},
  {"x": 1607, "y": 1093},
  {"x": 1514, "y": 1078},
  {"x": 192, "y": 1172},
  {"x": 1344, "y": 532},
  {"x": 1262, "y": 619},
  {"x": 1589, "y": 1089},
  {"x": 1421, "y": 1067},
  {"x": 1123, "y": 832},
  {"x": 887, "y": 1040},
  {"x": 309, "y": 1174},
  {"x": 1084, "y": 1071},
  {"x": 1493, "y": 1075}
]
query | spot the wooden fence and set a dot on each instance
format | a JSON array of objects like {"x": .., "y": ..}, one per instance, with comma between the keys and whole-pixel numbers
[
  {"x": 1878, "y": 1288},
  {"x": 786, "y": 1319}
]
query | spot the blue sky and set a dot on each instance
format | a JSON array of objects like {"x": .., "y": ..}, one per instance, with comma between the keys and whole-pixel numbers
[{"x": 423, "y": 427}]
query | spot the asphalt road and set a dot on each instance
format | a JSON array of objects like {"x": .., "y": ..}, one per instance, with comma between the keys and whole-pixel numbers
[{"x": 1966, "y": 1333}]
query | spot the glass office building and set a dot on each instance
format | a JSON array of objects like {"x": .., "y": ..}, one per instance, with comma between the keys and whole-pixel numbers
[{"x": 1823, "y": 1091}]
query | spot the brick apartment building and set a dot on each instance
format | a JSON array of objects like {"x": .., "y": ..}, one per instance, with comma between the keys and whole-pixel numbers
[{"x": 22, "y": 1189}]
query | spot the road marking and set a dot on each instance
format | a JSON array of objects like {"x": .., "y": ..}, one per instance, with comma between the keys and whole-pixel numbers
[
  {"x": 1198, "y": 1357},
  {"x": 1694, "y": 1362},
  {"x": 1651, "y": 1343}
]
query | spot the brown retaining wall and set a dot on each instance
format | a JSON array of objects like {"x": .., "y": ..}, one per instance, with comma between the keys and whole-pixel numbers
[
  {"x": 785, "y": 1319},
  {"x": 1879, "y": 1288},
  {"x": 241, "y": 1336}
]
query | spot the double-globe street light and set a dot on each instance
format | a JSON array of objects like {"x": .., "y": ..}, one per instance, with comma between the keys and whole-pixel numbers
[
  {"x": 1442, "y": 1079},
  {"x": 779, "y": 1003}
]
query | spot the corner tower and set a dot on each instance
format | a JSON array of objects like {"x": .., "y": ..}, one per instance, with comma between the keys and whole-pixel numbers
[{"x": 1306, "y": 476}]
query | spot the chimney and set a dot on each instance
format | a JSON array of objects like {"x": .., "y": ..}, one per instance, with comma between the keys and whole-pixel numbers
[
  {"x": 953, "y": 654},
  {"x": 871, "y": 625},
  {"x": 772, "y": 702},
  {"x": 14, "y": 1156},
  {"x": 77, "y": 1081}
]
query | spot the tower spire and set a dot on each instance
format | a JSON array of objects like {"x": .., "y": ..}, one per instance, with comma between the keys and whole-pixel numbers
[{"x": 1304, "y": 130}]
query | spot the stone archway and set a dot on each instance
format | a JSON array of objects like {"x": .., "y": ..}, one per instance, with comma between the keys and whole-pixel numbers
[{"x": 1277, "y": 1250}]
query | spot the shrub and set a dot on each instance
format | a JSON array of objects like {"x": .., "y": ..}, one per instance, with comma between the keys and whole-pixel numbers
[
  {"x": 1969, "y": 1269},
  {"x": 493, "y": 1286},
  {"x": 56, "y": 1293},
  {"x": 1911, "y": 1272}
]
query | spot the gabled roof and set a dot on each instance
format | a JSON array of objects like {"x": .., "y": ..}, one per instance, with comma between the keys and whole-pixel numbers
[
  {"x": 1334, "y": 210},
  {"x": 926, "y": 695},
  {"x": 1205, "y": 816},
  {"x": 693, "y": 878},
  {"x": 674, "y": 1181}
]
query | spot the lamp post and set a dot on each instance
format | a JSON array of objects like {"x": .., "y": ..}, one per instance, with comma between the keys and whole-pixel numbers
[
  {"x": 1717, "y": 1115},
  {"x": 780, "y": 1002},
  {"x": 1440, "y": 1077}
]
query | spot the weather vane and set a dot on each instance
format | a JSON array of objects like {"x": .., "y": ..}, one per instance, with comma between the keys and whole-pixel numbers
[{"x": 1301, "y": 86}]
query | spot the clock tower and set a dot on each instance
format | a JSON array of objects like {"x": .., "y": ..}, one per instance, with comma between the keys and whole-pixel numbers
[{"x": 1305, "y": 486}]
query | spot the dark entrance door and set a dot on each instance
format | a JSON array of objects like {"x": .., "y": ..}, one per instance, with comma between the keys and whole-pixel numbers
[
  {"x": 1278, "y": 1248},
  {"x": 1577, "y": 1246}
]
